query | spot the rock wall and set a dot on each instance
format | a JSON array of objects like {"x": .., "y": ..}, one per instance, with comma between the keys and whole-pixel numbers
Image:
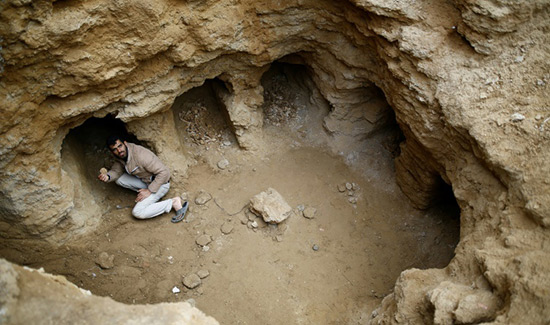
[
  {"x": 467, "y": 81},
  {"x": 33, "y": 297}
]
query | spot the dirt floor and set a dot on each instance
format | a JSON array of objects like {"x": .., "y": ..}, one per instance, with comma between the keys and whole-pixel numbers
[{"x": 332, "y": 269}]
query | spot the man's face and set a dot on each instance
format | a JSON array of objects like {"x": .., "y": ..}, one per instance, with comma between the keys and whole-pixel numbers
[{"x": 119, "y": 149}]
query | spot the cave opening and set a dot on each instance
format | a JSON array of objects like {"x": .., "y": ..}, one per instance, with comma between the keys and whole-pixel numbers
[
  {"x": 85, "y": 145},
  {"x": 201, "y": 116},
  {"x": 83, "y": 154}
]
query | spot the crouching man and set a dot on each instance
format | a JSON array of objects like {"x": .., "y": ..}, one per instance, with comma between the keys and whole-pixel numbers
[{"x": 140, "y": 170}]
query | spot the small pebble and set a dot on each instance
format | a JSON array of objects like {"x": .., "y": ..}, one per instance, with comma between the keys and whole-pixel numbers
[
  {"x": 191, "y": 281},
  {"x": 279, "y": 238},
  {"x": 349, "y": 186},
  {"x": 517, "y": 117},
  {"x": 309, "y": 213},
  {"x": 301, "y": 207},
  {"x": 315, "y": 247},
  {"x": 203, "y": 274},
  {"x": 175, "y": 290},
  {"x": 341, "y": 188},
  {"x": 223, "y": 164}
]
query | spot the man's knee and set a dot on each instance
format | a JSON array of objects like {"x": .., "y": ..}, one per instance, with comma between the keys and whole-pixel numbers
[{"x": 138, "y": 213}]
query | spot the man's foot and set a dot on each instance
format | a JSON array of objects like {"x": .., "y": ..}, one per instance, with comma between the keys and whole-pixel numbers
[{"x": 180, "y": 213}]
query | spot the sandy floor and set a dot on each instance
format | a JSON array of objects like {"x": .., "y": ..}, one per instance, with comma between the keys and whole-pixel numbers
[{"x": 269, "y": 274}]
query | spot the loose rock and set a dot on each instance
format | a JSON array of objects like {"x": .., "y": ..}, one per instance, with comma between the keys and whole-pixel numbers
[
  {"x": 349, "y": 186},
  {"x": 315, "y": 247},
  {"x": 203, "y": 240},
  {"x": 203, "y": 274},
  {"x": 176, "y": 290},
  {"x": 223, "y": 164},
  {"x": 105, "y": 261},
  {"x": 202, "y": 198},
  {"x": 271, "y": 206},
  {"x": 191, "y": 281},
  {"x": 309, "y": 212},
  {"x": 341, "y": 188},
  {"x": 226, "y": 228},
  {"x": 517, "y": 117}
]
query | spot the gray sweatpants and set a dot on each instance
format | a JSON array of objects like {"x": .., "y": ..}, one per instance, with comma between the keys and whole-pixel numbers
[{"x": 149, "y": 207}]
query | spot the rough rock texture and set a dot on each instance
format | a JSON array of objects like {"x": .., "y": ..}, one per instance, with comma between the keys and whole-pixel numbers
[
  {"x": 455, "y": 73},
  {"x": 271, "y": 206},
  {"x": 33, "y": 297}
]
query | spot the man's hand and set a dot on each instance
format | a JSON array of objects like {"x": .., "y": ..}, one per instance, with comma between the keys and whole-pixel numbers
[
  {"x": 143, "y": 194},
  {"x": 103, "y": 177}
]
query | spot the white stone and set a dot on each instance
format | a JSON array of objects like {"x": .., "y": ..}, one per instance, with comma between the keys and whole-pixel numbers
[
  {"x": 175, "y": 290},
  {"x": 517, "y": 117}
]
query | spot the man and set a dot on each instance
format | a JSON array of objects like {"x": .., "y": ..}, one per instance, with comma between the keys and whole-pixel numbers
[{"x": 139, "y": 169}]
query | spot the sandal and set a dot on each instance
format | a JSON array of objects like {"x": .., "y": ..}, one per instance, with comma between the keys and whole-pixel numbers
[{"x": 180, "y": 214}]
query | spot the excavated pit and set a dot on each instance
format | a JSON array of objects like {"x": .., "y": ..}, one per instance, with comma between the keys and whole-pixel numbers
[
  {"x": 366, "y": 235},
  {"x": 427, "y": 110}
]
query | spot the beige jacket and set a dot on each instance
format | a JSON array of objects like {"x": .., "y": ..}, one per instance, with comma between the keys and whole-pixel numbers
[{"x": 143, "y": 164}]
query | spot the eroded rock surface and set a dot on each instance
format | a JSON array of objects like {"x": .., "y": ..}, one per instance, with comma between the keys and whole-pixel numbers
[
  {"x": 34, "y": 297},
  {"x": 457, "y": 75}
]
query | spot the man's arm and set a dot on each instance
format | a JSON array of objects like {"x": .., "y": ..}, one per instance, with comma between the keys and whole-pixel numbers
[
  {"x": 154, "y": 165},
  {"x": 116, "y": 171}
]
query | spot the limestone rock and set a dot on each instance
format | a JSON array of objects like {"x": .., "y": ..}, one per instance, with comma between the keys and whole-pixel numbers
[
  {"x": 105, "y": 261},
  {"x": 459, "y": 303},
  {"x": 309, "y": 212},
  {"x": 203, "y": 274},
  {"x": 477, "y": 307},
  {"x": 203, "y": 240},
  {"x": 223, "y": 164},
  {"x": 202, "y": 198},
  {"x": 271, "y": 206},
  {"x": 44, "y": 293},
  {"x": 191, "y": 281}
]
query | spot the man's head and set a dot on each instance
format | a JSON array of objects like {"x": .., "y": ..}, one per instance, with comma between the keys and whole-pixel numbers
[{"x": 117, "y": 146}]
